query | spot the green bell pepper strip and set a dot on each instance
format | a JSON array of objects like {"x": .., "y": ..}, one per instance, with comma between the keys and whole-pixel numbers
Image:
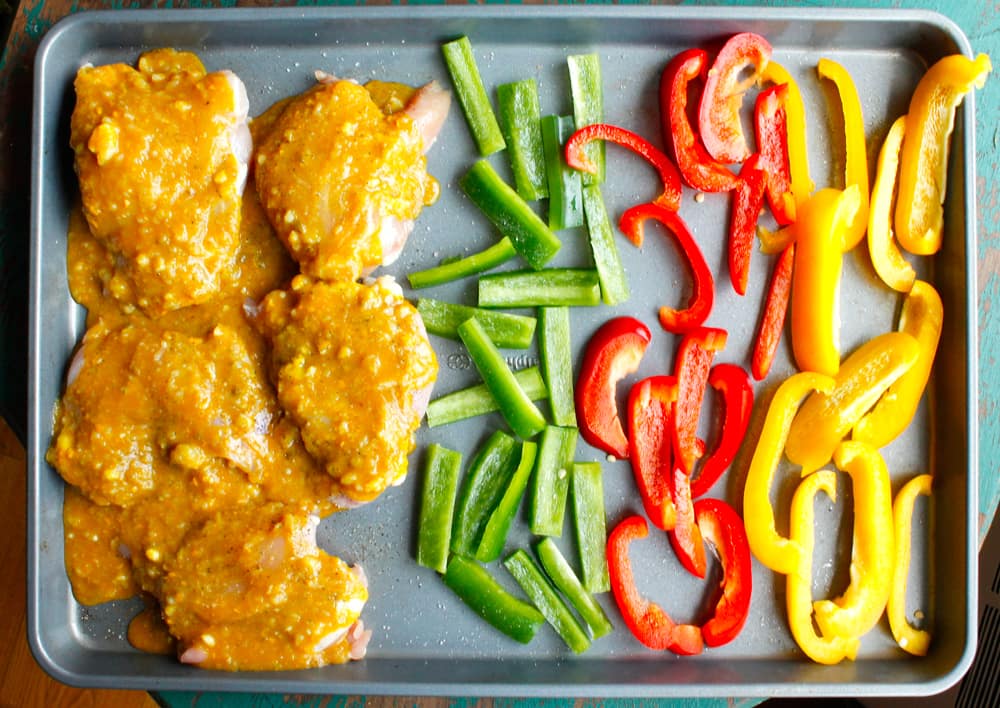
[
  {"x": 487, "y": 259},
  {"x": 481, "y": 490},
  {"x": 514, "y": 617},
  {"x": 556, "y": 350},
  {"x": 437, "y": 506},
  {"x": 588, "y": 105},
  {"x": 477, "y": 400},
  {"x": 534, "y": 583},
  {"x": 510, "y": 214},
  {"x": 472, "y": 95},
  {"x": 551, "y": 287},
  {"x": 550, "y": 487},
  {"x": 495, "y": 533},
  {"x": 508, "y": 331},
  {"x": 588, "y": 521},
  {"x": 515, "y": 405},
  {"x": 565, "y": 185},
  {"x": 563, "y": 577},
  {"x": 517, "y": 103},
  {"x": 614, "y": 283}
]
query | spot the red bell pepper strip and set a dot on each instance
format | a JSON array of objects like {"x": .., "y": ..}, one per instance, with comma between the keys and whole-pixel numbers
[
  {"x": 612, "y": 353},
  {"x": 691, "y": 368},
  {"x": 650, "y": 624},
  {"x": 775, "y": 308},
  {"x": 771, "y": 130},
  {"x": 698, "y": 169},
  {"x": 703, "y": 287},
  {"x": 577, "y": 158},
  {"x": 747, "y": 200},
  {"x": 685, "y": 536},
  {"x": 650, "y": 444},
  {"x": 737, "y": 404},
  {"x": 719, "y": 119},
  {"x": 723, "y": 528}
]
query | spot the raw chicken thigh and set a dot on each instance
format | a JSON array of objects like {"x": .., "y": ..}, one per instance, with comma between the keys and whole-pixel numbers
[{"x": 161, "y": 154}]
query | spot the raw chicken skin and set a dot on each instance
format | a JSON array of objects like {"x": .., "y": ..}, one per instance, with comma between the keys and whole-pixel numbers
[
  {"x": 341, "y": 181},
  {"x": 161, "y": 153}
]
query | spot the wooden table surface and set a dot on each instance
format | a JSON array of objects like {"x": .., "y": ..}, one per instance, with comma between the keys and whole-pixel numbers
[{"x": 22, "y": 683}]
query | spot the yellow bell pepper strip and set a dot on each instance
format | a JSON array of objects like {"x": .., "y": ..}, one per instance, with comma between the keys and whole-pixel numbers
[
  {"x": 826, "y": 418},
  {"x": 819, "y": 228},
  {"x": 777, "y": 553},
  {"x": 795, "y": 114},
  {"x": 921, "y": 317},
  {"x": 856, "y": 162},
  {"x": 923, "y": 169},
  {"x": 798, "y": 585},
  {"x": 894, "y": 270},
  {"x": 915, "y": 641},
  {"x": 772, "y": 242},
  {"x": 861, "y": 605}
]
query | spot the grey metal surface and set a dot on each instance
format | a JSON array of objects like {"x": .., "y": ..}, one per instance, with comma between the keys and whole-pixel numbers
[{"x": 426, "y": 641}]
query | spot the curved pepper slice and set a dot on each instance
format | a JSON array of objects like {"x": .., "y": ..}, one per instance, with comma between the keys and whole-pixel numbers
[
  {"x": 861, "y": 605},
  {"x": 894, "y": 270},
  {"x": 612, "y": 353},
  {"x": 826, "y": 418},
  {"x": 773, "y": 320},
  {"x": 577, "y": 158},
  {"x": 685, "y": 536},
  {"x": 736, "y": 68},
  {"x": 921, "y": 317},
  {"x": 856, "y": 162},
  {"x": 798, "y": 154},
  {"x": 816, "y": 278},
  {"x": 915, "y": 641},
  {"x": 747, "y": 200},
  {"x": 722, "y": 526},
  {"x": 737, "y": 404},
  {"x": 923, "y": 170},
  {"x": 650, "y": 444},
  {"x": 650, "y": 624},
  {"x": 771, "y": 130},
  {"x": 698, "y": 169},
  {"x": 798, "y": 585},
  {"x": 691, "y": 368},
  {"x": 780, "y": 554},
  {"x": 703, "y": 287}
]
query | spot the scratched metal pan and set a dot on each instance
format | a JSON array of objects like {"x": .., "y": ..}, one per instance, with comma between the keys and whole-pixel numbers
[{"x": 426, "y": 641}]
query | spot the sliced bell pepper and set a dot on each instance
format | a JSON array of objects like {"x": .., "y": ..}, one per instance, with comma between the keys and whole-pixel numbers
[
  {"x": 437, "y": 506},
  {"x": 577, "y": 158},
  {"x": 915, "y": 641},
  {"x": 477, "y": 400},
  {"x": 798, "y": 584},
  {"x": 921, "y": 317},
  {"x": 555, "y": 350},
  {"x": 483, "y": 487},
  {"x": 772, "y": 322},
  {"x": 702, "y": 298},
  {"x": 894, "y": 270},
  {"x": 816, "y": 278},
  {"x": 613, "y": 352},
  {"x": 736, "y": 68},
  {"x": 586, "y": 87},
  {"x": 472, "y": 96},
  {"x": 780, "y": 554},
  {"x": 651, "y": 439},
  {"x": 487, "y": 259},
  {"x": 861, "y": 605},
  {"x": 747, "y": 201},
  {"x": 691, "y": 369},
  {"x": 550, "y": 482},
  {"x": 647, "y": 621},
  {"x": 520, "y": 123},
  {"x": 603, "y": 248},
  {"x": 737, "y": 404},
  {"x": 561, "y": 573},
  {"x": 826, "y": 418},
  {"x": 516, "y": 618},
  {"x": 723, "y": 527},
  {"x": 505, "y": 329},
  {"x": 587, "y": 494},
  {"x": 856, "y": 162},
  {"x": 498, "y": 525},
  {"x": 550, "y": 287},
  {"x": 771, "y": 131},
  {"x": 565, "y": 186},
  {"x": 698, "y": 169},
  {"x": 923, "y": 168},
  {"x": 685, "y": 536},
  {"x": 795, "y": 112}
]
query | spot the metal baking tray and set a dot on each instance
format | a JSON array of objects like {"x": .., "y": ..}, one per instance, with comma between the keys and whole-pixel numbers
[{"x": 426, "y": 641}]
